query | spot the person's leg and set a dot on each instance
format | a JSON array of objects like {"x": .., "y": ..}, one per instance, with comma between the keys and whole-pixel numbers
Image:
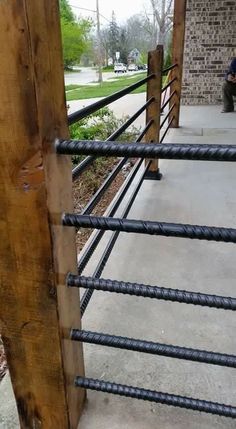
[{"x": 228, "y": 91}]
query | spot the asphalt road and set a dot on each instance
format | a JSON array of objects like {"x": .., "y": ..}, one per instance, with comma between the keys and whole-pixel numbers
[{"x": 88, "y": 75}]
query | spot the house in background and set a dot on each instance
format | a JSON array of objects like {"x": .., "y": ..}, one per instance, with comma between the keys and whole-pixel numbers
[{"x": 134, "y": 56}]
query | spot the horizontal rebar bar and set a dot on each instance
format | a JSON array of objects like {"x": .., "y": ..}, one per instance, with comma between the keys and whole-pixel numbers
[
  {"x": 154, "y": 292},
  {"x": 194, "y": 232},
  {"x": 144, "y": 131},
  {"x": 169, "y": 68},
  {"x": 168, "y": 84},
  {"x": 101, "y": 191},
  {"x": 167, "y": 129},
  {"x": 83, "y": 165},
  {"x": 150, "y": 347},
  {"x": 99, "y": 234},
  {"x": 112, "y": 210},
  {"x": 130, "y": 121},
  {"x": 167, "y": 116},
  {"x": 193, "y": 152},
  {"x": 92, "y": 108},
  {"x": 111, "y": 243},
  {"x": 168, "y": 100},
  {"x": 158, "y": 397}
]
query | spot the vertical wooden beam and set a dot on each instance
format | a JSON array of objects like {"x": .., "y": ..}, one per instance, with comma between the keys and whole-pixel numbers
[
  {"x": 154, "y": 86},
  {"x": 37, "y": 310},
  {"x": 178, "y": 56}
]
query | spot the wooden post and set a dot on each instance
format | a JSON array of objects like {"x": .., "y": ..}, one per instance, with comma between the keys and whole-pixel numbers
[
  {"x": 154, "y": 86},
  {"x": 37, "y": 310},
  {"x": 177, "y": 57}
]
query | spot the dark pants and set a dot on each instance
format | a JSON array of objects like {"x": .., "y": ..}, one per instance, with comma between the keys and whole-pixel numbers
[{"x": 229, "y": 89}]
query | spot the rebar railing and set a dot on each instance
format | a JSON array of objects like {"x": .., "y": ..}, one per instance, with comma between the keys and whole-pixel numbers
[
  {"x": 209, "y": 233},
  {"x": 101, "y": 224},
  {"x": 150, "y": 151}
]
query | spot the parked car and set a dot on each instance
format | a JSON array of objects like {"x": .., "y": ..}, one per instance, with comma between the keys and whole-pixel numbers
[
  {"x": 132, "y": 67},
  {"x": 120, "y": 68},
  {"x": 141, "y": 67}
]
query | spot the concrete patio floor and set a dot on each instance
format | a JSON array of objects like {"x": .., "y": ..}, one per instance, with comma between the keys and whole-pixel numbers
[{"x": 190, "y": 192}]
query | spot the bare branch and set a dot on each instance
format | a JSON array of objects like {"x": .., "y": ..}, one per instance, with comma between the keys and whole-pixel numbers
[{"x": 155, "y": 11}]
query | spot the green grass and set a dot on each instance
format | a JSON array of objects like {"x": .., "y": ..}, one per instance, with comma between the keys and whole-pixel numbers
[
  {"x": 106, "y": 88},
  {"x": 72, "y": 86}
]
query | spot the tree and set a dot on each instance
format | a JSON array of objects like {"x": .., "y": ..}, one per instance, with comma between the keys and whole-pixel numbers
[
  {"x": 74, "y": 34},
  {"x": 105, "y": 40},
  {"x": 138, "y": 34},
  {"x": 66, "y": 11},
  {"x": 124, "y": 46},
  {"x": 114, "y": 37},
  {"x": 162, "y": 13}
]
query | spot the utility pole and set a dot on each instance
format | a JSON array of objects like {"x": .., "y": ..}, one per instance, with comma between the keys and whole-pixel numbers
[{"x": 99, "y": 43}]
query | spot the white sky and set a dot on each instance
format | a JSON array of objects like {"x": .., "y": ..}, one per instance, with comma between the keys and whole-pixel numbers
[{"x": 122, "y": 8}]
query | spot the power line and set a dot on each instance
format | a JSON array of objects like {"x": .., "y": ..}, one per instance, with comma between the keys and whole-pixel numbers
[
  {"x": 89, "y": 10},
  {"x": 83, "y": 8}
]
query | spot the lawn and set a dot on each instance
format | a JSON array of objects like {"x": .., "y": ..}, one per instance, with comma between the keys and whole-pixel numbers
[{"x": 105, "y": 88}]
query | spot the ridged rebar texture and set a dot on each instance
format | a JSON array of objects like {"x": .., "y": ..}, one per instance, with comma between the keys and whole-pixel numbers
[
  {"x": 111, "y": 243},
  {"x": 158, "y": 397},
  {"x": 124, "y": 189},
  {"x": 89, "y": 160},
  {"x": 86, "y": 111},
  {"x": 150, "y": 347},
  {"x": 194, "y": 232},
  {"x": 192, "y": 152},
  {"x": 154, "y": 292}
]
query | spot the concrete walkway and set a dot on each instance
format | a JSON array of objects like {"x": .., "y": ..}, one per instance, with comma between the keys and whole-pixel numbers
[{"x": 190, "y": 192}]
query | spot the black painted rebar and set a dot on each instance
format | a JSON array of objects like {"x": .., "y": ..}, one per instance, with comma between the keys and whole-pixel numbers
[
  {"x": 99, "y": 234},
  {"x": 150, "y": 347},
  {"x": 158, "y": 397},
  {"x": 167, "y": 101},
  {"x": 144, "y": 131},
  {"x": 164, "y": 71},
  {"x": 194, "y": 232},
  {"x": 124, "y": 189},
  {"x": 130, "y": 121},
  {"x": 167, "y": 129},
  {"x": 109, "y": 247},
  {"x": 86, "y": 111},
  {"x": 167, "y": 116},
  {"x": 153, "y": 292},
  {"x": 193, "y": 152},
  {"x": 168, "y": 84},
  {"x": 83, "y": 165},
  {"x": 101, "y": 191}
]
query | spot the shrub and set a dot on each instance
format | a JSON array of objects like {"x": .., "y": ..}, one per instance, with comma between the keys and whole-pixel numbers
[{"x": 99, "y": 126}]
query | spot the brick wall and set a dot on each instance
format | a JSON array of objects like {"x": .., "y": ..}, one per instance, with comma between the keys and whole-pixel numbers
[{"x": 209, "y": 42}]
